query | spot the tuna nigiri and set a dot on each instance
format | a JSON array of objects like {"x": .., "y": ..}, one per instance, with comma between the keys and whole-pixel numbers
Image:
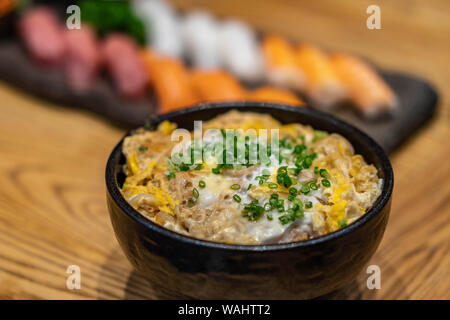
[
  {"x": 216, "y": 85},
  {"x": 280, "y": 63},
  {"x": 366, "y": 88},
  {"x": 125, "y": 64},
  {"x": 240, "y": 51},
  {"x": 170, "y": 81},
  {"x": 83, "y": 57},
  {"x": 323, "y": 87},
  {"x": 43, "y": 35},
  {"x": 271, "y": 94}
]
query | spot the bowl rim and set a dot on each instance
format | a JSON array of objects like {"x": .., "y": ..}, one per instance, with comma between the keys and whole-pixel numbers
[{"x": 380, "y": 203}]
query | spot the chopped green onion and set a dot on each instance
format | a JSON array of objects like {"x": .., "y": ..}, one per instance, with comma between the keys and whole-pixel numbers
[
  {"x": 237, "y": 198},
  {"x": 215, "y": 170},
  {"x": 293, "y": 191},
  {"x": 313, "y": 185},
  {"x": 191, "y": 202},
  {"x": 202, "y": 184},
  {"x": 324, "y": 173},
  {"x": 326, "y": 183},
  {"x": 305, "y": 188},
  {"x": 308, "y": 205},
  {"x": 171, "y": 175},
  {"x": 272, "y": 185},
  {"x": 318, "y": 135},
  {"x": 253, "y": 211},
  {"x": 249, "y": 186},
  {"x": 195, "y": 193},
  {"x": 342, "y": 223},
  {"x": 235, "y": 186},
  {"x": 284, "y": 219},
  {"x": 143, "y": 148}
]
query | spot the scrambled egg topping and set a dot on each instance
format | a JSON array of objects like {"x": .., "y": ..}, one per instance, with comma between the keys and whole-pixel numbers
[{"x": 314, "y": 186}]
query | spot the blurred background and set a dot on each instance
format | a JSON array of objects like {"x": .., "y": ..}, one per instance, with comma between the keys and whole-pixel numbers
[{"x": 66, "y": 99}]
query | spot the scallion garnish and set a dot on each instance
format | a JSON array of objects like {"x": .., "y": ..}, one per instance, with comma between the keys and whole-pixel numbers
[
  {"x": 195, "y": 193},
  {"x": 237, "y": 198},
  {"x": 171, "y": 175},
  {"x": 318, "y": 135},
  {"x": 202, "y": 184},
  {"x": 326, "y": 183},
  {"x": 235, "y": 186},
  {"x": 342, "y": 223},
  {"x": 305, "y": 188},
  {"x": 324, "y": 173},
  {"x": 253, "y": 211}
]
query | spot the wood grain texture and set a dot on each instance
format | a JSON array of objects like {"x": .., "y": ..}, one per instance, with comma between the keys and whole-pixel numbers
[{"x": 52, "y": 196}]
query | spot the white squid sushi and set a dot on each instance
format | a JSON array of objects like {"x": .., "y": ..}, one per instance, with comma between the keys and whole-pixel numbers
[
  {"x": 200, "y": 38},
  {"x": 163, "y": 26},
  {"x": 240, "y": 51}
]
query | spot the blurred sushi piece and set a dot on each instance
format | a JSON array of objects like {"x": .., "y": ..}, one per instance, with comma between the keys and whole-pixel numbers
[
  {"x": 125, "y": 65},
  {"x": 43, "y": 35},
  {"x": 323, "y": 87},
  {"x": 216, "y": 85},
  {"x": 280, "y": 64},
  {"x": 366, "y": 89},
  {"x": 200, "y": 35},
  {"x": 83, "y": 57},
  {"x": 163, "y": 26},
  {"x": 272, "y": 94},
  {"x": 240, "y": 51},
  {"x": 170, "y": 80},
  {"x": 6, "y": 6}
]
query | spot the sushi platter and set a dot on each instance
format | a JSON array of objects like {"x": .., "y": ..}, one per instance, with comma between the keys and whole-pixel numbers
[{"x": 153, "y": 59}]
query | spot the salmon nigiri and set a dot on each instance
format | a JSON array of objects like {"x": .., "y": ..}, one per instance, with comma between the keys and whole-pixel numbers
[
  {"x": 216, "y": 85},
  {"x": 323, "y": 87},
  {"x": 366, "y": 88},
  {"x": 281, "y": 67},
  {"x": 272, "y": 94},
  {"x": 170, "y": 81}
]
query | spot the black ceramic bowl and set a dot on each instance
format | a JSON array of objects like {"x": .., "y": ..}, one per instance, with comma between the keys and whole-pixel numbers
[{"x": 181, "y": 266}]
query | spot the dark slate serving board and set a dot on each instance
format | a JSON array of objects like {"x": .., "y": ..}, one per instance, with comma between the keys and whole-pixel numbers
[{"x": 417, "y": 99}]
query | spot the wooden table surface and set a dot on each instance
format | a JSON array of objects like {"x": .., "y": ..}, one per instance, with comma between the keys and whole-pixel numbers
[{"x": 52, "y": 194}]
